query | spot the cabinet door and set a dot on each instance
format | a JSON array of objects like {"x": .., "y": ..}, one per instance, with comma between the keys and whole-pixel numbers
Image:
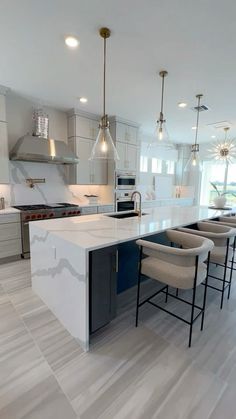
[
  {"x": 86, "y": 172},
  {"x": 4, "y": 159},
  {"x": 86, "y": 128},
  {"x": 102, "y": 287},
  {"x": 132, "y": 157},
  {"x": 122, "y": 152},
  {"x": 99, "y": 172},
  {"x": 126, "y": 133},
  {"x": 80, "y": 174}
]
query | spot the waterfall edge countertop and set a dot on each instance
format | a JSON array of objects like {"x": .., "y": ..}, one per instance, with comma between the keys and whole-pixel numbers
[
  {"x": 60, "y": 254},
  {"x": 96, "y": 231}
]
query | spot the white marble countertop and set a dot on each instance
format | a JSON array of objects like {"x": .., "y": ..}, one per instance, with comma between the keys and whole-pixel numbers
[
  {"x": 9, "y": 210},
  {"x": 96, "y": 231}
]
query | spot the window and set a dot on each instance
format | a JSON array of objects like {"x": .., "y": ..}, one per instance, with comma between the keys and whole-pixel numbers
[
  {"x": 231, "y": 184},
  {"x": 156, "y": 165},
  {"x": 170, "y": 167},
  {"x": 215, "y": 173},
  {"x": 143, "y": 163}
]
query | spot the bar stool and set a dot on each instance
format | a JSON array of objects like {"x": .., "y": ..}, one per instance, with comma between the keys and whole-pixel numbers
[
  {"x": 223, "y": 237},
  {"x": 182, "y": 267}
]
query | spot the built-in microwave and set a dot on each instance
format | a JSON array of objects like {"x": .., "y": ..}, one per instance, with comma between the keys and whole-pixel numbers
[{"x": 126, "y": 181}]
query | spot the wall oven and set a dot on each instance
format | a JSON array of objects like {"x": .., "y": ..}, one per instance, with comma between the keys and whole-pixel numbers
[
  {"x": 123, "y": 201},
  {"x": 125, "y": 181}
]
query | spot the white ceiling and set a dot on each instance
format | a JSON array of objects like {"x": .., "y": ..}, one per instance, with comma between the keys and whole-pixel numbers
[{"x": 193, "y": 39}]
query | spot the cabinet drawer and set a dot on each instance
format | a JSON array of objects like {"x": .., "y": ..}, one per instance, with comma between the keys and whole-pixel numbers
[
  {"x": 10, "y": 248},
  {"x": 9, "y": 218},
  {"x": 10, "y": 231},
  {"x": 89, "y": 210},
  {"x": 105, "y": 208}
]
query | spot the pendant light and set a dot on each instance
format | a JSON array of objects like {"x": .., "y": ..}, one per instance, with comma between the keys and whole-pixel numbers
[
  {"x": 162, "y": 133},
  {"x": 224, "y": 151},
  {"x": 194, "y": 160},
  {"x": 104, "y": 147}
]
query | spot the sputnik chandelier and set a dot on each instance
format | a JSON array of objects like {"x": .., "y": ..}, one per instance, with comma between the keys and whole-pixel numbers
[{"x": 224, "y": 151}]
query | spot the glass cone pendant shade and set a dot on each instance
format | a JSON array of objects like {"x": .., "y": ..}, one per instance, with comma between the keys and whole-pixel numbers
[
  {"x": 104, "y": 147},
  {"x": 194, "y": 163},
  {"x": 161, "y": 131}
]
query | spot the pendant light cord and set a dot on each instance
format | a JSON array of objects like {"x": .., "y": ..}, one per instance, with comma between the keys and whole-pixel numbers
[
  {"x": 162, "y": 94},
  {"x": 104, "y": 77},
  {"x": 198, "y": 111}
]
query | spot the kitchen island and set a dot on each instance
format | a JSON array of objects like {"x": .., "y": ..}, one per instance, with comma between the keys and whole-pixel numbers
[{"x": 61, "y": 250}]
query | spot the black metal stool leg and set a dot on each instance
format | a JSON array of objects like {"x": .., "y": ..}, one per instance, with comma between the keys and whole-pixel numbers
[
  {"x": 177, "y": 292},
  {"x": 193, "y": 303},
  {"x": 205, "y": 292},
  {"x": 231, "y": 269},
  {"x": 167, "y": 290},
  {"x": 138, "y": 290},
  {"x": 224, "y": 277}
]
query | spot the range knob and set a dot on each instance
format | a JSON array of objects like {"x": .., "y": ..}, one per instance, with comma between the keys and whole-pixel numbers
[
  {"x": 44, "y": 215},
  {"x": 33, "y": 217},
  {"x": 69, "y": 213},
  {"x": 77, "y": 212},
  {"x": 39, "y": 216},
  {"x": 63, "y": 214},
  {"x": 51, "y": 214},
  {"x": 27, "y": 217}
]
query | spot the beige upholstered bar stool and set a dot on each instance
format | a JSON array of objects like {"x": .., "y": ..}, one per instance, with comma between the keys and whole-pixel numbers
[
  {"x": 179, "y": 267},
  {"x": 223, "y": 237},
  {"x": 229, "y": 221}
]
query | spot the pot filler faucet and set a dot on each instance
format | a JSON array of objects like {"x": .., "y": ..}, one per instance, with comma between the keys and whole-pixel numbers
[{"x": 139, "y": 211}]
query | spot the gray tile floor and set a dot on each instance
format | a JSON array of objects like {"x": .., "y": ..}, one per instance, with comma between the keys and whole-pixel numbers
[{"x": 130, "y": 373}]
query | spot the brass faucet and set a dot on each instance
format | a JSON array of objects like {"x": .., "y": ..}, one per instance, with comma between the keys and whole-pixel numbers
[{"x": 139, "y": 211}]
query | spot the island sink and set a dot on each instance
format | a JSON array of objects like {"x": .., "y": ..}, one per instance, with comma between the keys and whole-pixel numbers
[{"x": 126, "y": 215}]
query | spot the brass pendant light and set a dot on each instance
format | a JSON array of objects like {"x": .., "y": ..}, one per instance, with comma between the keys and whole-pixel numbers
[
  {"x": 194, "y": 160},
  {"x": 104, "y": 147},
  {"x": 162, "y": 133}
]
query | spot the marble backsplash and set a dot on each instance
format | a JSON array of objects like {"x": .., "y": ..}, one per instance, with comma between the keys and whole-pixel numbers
[{"x": 55, "y": 188}]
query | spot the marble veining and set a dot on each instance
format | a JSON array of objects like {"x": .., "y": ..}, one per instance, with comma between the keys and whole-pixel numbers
[{"x": 60, "y": 256}]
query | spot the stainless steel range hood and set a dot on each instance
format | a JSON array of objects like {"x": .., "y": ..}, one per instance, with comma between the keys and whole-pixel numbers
[{"x": 37, "y": 149}]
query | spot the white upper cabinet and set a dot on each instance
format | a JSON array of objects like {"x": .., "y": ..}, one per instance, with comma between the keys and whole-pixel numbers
[
  {"x": 126, "y": 133},
  {"x": 86, "y": 172},
  {"x": 4, "y": 153},
  {"x": 84, "y": 127},
  {"x": 128, "y": 154},
  {"x": 82, "y": 133}
]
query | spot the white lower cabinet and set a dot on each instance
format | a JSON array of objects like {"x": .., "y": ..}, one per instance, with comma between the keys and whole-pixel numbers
[
  {"x": 128, "y": 156},
  {"x": 86, "y": 172},
  {"x": 10, "y": 235},
  {"x": 89, "y": 210},
  {"x": 105, "y": 208}
]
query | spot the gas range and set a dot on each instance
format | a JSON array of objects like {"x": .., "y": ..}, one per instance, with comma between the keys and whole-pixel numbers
[
  {"x": 38, "y": 212},
  {"x": 46, "y": 211}
]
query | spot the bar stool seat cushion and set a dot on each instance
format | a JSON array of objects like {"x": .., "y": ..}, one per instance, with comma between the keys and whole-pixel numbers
[{"x": 173, "y": 275}]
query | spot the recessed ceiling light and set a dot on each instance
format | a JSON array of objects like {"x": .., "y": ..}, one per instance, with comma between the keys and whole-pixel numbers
[
  {"x": 71, "y": 41},
  {"x": 194, "y": 128},
  {"x": 213, "y": 136},
  {"x": 182, "y": 104},
  {"x": 83, "y": 99}
]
